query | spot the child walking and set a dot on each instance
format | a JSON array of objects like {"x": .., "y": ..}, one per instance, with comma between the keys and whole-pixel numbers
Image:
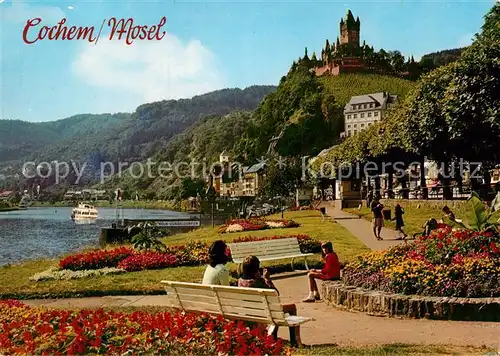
[{"x": 398, "y": 212}]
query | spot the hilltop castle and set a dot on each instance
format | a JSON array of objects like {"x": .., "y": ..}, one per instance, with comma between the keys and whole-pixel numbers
[{"x": 346, "y": 55}]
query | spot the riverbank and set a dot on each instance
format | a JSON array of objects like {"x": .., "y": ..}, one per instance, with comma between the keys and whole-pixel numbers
[
  {"x": 15, "y": 283},
  {"x": 4, "y": 210},
  {"x": 126, "y": 204}
]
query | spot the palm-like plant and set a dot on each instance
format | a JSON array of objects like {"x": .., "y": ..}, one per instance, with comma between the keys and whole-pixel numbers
[
  {"x": 478, "y": 217},
  {"x": 147, "y": 238}
]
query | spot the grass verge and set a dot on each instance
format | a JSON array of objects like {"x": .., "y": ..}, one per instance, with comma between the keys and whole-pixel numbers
[
  {"x": 15, "y": 283},
  {"x": 393, "y": 349}
]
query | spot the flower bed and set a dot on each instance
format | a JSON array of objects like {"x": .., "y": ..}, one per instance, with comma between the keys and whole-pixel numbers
[
  {"x": 126, "y": 259},
  {"x": 458, "y": 263},
  {"x": 95, "y": 259},
  {"x": 67, "y": 274},
  {"x": 29, "y": 330},
  {"x": 239, "y": 225}
]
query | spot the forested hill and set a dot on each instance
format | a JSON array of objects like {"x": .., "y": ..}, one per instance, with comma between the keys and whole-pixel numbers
[
  {"x": 126, "y": 137},
  {"x": 441, "y": 58},
  {"x": 305, "y": 113}
]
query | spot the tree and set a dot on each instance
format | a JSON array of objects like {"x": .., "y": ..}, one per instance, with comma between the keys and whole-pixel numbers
[
  {"x": 191, "y": 188},
  {"x": 280, "y": 181}
]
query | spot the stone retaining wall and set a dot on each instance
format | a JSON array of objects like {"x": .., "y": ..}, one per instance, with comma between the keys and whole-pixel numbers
[{"x": 378, "y": 303}]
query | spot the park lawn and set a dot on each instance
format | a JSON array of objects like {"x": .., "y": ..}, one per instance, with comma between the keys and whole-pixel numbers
[
  {"x": 393, "y": 349},
  {"x": 414, "y": 218},
  {"x": 15, "y": 283}
]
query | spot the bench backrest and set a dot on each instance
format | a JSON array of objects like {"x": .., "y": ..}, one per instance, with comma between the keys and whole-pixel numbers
[
  {"x": 250, "y": 304},
  {"x": 264, "y": 248}
]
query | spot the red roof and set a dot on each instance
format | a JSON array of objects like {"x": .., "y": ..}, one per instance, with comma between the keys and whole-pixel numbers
[{"x": 7, "y": 193}]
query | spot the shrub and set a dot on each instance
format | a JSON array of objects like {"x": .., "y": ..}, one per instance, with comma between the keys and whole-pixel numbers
[
  {"x": 193, "y": 253},
  {"x": 29, "y": 330}
]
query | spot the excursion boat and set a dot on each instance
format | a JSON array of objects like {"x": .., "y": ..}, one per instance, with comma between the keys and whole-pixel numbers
[{"x": 84, "y": 212}]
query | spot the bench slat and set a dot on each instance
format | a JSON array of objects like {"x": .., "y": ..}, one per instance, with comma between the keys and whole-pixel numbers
[
  {"x": 199, "y": 292},
  {"x": 251, "y": 304},
  {"x": 260, "y": 313},
  {"x": 195, "y": 298},
  {"x": 248, "y": 297},
  {"x": 226, "y": 289},
  {"x": 188, "y": 305}
]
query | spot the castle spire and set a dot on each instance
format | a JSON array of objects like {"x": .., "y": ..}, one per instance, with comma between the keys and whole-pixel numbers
[{"x": 349, "y": 18}]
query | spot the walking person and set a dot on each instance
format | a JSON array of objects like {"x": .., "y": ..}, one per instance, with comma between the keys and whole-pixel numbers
[
  {"x": 369, "y": 196},
  {"x": 377, "y": 218},
  {"x": 331, "y": 271},
  {"x": 398, "y": 216}
]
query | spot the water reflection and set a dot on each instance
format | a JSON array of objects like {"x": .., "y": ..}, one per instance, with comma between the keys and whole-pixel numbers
[{"x": 49, "y": 232}]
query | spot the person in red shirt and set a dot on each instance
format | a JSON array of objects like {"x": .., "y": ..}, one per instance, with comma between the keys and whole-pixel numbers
[{"x": 330, "y": 271}]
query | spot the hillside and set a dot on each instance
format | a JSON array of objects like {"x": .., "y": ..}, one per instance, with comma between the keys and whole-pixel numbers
[
  {"x": 201, "y": 143},
  {"x": 343, "y": 87},
  {"x": 305, "y": 114},
  {"x": 441, "y": 58},
  {"x": 121, "y": 137}
]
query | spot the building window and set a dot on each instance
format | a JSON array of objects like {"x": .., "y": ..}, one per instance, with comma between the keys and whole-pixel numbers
[
  {"x": 365, "y": 106},
  {"x": 355, "y": 125},
  {"x": 362, "y": 125},
  {"x": 369, "y": 114},
  {"x": 355, "y": 132},
  {"x": 348, "y": 132},
  {"x": 355, "y": 116},
  {"x": 348, "y": 126},
  {"x": 348, "y": 116},
  {"x": 369, "y": 124},
  {"x": 375, "y": 113},
  {"x": 362, "y": 115},
  {"x": 354, "y": 107}
]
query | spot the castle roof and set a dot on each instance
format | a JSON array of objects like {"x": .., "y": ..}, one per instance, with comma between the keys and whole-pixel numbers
[{"x": 349, "y": 19}]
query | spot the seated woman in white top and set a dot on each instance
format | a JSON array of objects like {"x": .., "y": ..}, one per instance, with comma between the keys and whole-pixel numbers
[{"x": 216, "y": 271}]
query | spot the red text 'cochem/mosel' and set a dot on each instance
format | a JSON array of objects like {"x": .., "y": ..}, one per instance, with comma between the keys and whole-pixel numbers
[{"x": 122, "y": 29}]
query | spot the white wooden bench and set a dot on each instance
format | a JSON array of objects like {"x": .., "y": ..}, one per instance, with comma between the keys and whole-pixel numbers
[
  {"x": 268, "y": 250},
  {"x": 236, "y": 303}
]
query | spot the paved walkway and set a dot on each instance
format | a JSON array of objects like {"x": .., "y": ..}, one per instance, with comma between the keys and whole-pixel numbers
[
  {"x": 362, "y": 228},
  {"x": 331, "y": 326}
]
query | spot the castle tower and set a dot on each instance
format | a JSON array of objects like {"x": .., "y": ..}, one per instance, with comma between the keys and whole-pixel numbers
[{"x": 349, "y": 30}]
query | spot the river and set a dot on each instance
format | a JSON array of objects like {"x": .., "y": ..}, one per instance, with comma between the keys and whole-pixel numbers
[{"x": 49, "y": 232}]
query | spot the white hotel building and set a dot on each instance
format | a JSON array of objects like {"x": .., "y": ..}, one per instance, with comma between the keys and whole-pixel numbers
[{"x": 364, "y": 110}]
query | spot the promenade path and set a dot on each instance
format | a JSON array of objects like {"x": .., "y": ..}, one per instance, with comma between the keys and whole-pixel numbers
[
  {"x": 333, "y": 326},
  {"x": 362, "y": 228}
]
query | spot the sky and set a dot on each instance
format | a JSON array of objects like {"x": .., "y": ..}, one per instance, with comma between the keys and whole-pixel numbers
[{"x": 208, "y": 45}]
